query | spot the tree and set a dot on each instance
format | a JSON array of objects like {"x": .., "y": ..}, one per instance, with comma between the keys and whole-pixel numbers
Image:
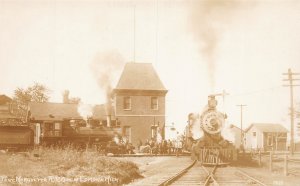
[{"x": 35, "y": 93}]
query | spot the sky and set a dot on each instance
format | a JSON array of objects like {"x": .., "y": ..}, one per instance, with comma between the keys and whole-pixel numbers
[{"x": 198, "y": 48}]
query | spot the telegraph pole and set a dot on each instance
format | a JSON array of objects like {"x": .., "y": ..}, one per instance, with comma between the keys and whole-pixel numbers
[
  {"x": 241, "y": 106},
  {"x": 291, "y": 85},
  {"x": 134, "y": 34}
]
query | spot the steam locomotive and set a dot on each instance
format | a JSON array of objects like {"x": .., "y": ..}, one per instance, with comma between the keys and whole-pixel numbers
[
  {"x": 25, "y": 136},
  {"x": 21, "y": 130},
  {"x": 79, "y": 132},
  {"x": 211, "y": 148}
]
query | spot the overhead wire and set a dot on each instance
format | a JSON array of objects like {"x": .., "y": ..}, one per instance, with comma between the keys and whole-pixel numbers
[{"x": 256, "y": 91}]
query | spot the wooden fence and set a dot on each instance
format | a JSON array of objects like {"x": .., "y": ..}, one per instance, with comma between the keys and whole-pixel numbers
[{"x": 281, "y": 160}]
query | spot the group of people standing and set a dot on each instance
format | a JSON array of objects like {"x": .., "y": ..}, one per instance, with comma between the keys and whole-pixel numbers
[{"x": 163, "y": 147}]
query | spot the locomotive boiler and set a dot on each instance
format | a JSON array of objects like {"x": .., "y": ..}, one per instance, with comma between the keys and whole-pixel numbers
[{"x": 211, "y": 147}]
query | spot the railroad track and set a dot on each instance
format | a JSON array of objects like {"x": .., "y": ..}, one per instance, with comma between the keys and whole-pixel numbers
[{"x": 197, "y": 174}]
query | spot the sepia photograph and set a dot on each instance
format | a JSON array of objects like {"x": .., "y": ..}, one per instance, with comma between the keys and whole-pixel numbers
[{"x": 149, "y": 92}]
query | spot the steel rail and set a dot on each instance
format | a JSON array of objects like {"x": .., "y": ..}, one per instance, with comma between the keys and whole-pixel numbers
[
  {"x": 174, "y": 178},
  {"x": 294, "y": 161},
  {"x": 250, "y": 177},
  {"x": 210, "y": 176},
  {"x": 294, "y": 171}
]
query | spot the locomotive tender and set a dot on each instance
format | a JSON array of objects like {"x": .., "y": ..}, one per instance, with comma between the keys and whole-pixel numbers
[
  {"x": 211, "y": 148},
  {"x": 16, "y": 137}
]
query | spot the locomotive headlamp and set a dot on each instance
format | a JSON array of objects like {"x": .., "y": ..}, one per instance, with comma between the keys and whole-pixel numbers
[{"x": 212, "y": 121}]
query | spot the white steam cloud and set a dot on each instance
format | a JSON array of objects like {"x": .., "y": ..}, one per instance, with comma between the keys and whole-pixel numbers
[
  {"x": 228, "y": 133},
  {"x": 195, "y": 128},
  {"x": 85, "y": 110},
  {"x": 209, "y": 19},
  {"x": 106, "y": 67}
]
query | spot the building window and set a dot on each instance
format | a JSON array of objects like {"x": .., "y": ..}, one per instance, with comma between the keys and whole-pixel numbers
[
  {"x": 154, "y": 103},
  {"x": 254, "y": 134},
  {"x": 57, "y": 129},
  {"x": 57, "y": 126},
  {"x": 127, "y": 133},
  {"x": 52, "y": 129},
  {"x": 127, "y": 103}
]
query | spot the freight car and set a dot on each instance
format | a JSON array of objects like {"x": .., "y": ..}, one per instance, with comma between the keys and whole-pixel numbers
[
  {"x": 211, "y": 148},
  {"x": 16, "y": 137}
]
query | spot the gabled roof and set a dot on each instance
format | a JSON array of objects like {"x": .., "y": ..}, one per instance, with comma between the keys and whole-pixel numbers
[
  {"x": 60, "y": 111},
  {"x": 4, "y": 99},
  {"x": 139, "y": 76},
  {"x": 267, "y": 127},
  {"x": 233, "y": 126}
]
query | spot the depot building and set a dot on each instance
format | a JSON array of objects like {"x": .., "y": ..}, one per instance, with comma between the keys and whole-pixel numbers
[{"x": 137, "y": 108}]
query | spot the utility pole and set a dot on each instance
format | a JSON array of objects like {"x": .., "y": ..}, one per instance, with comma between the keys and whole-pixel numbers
[
  {"x": 242, "y": 139},
  {"x": 134, "y": 34},
  {"x": 291, "y": 85}
]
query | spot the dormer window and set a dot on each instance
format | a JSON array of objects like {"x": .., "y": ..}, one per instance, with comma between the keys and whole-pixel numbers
[
  {"x": 154, "y": 103},
  {"x": 127, "y": 103}
]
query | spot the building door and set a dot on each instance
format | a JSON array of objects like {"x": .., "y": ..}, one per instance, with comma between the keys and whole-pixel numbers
[
  {"x": 37, "y": 133},
  {"x": 127, "y": 133},
  {"x": 270, "y": 142},
  {"x": 254, "y": 140},
  {"x": 154, "y": 133}
]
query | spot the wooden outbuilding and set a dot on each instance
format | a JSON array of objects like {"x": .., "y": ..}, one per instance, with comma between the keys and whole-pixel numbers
[{"x": 266, "y": 136}]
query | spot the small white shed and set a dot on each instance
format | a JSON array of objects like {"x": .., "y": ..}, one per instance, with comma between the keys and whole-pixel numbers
[{"x": 265, "y": 136}]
